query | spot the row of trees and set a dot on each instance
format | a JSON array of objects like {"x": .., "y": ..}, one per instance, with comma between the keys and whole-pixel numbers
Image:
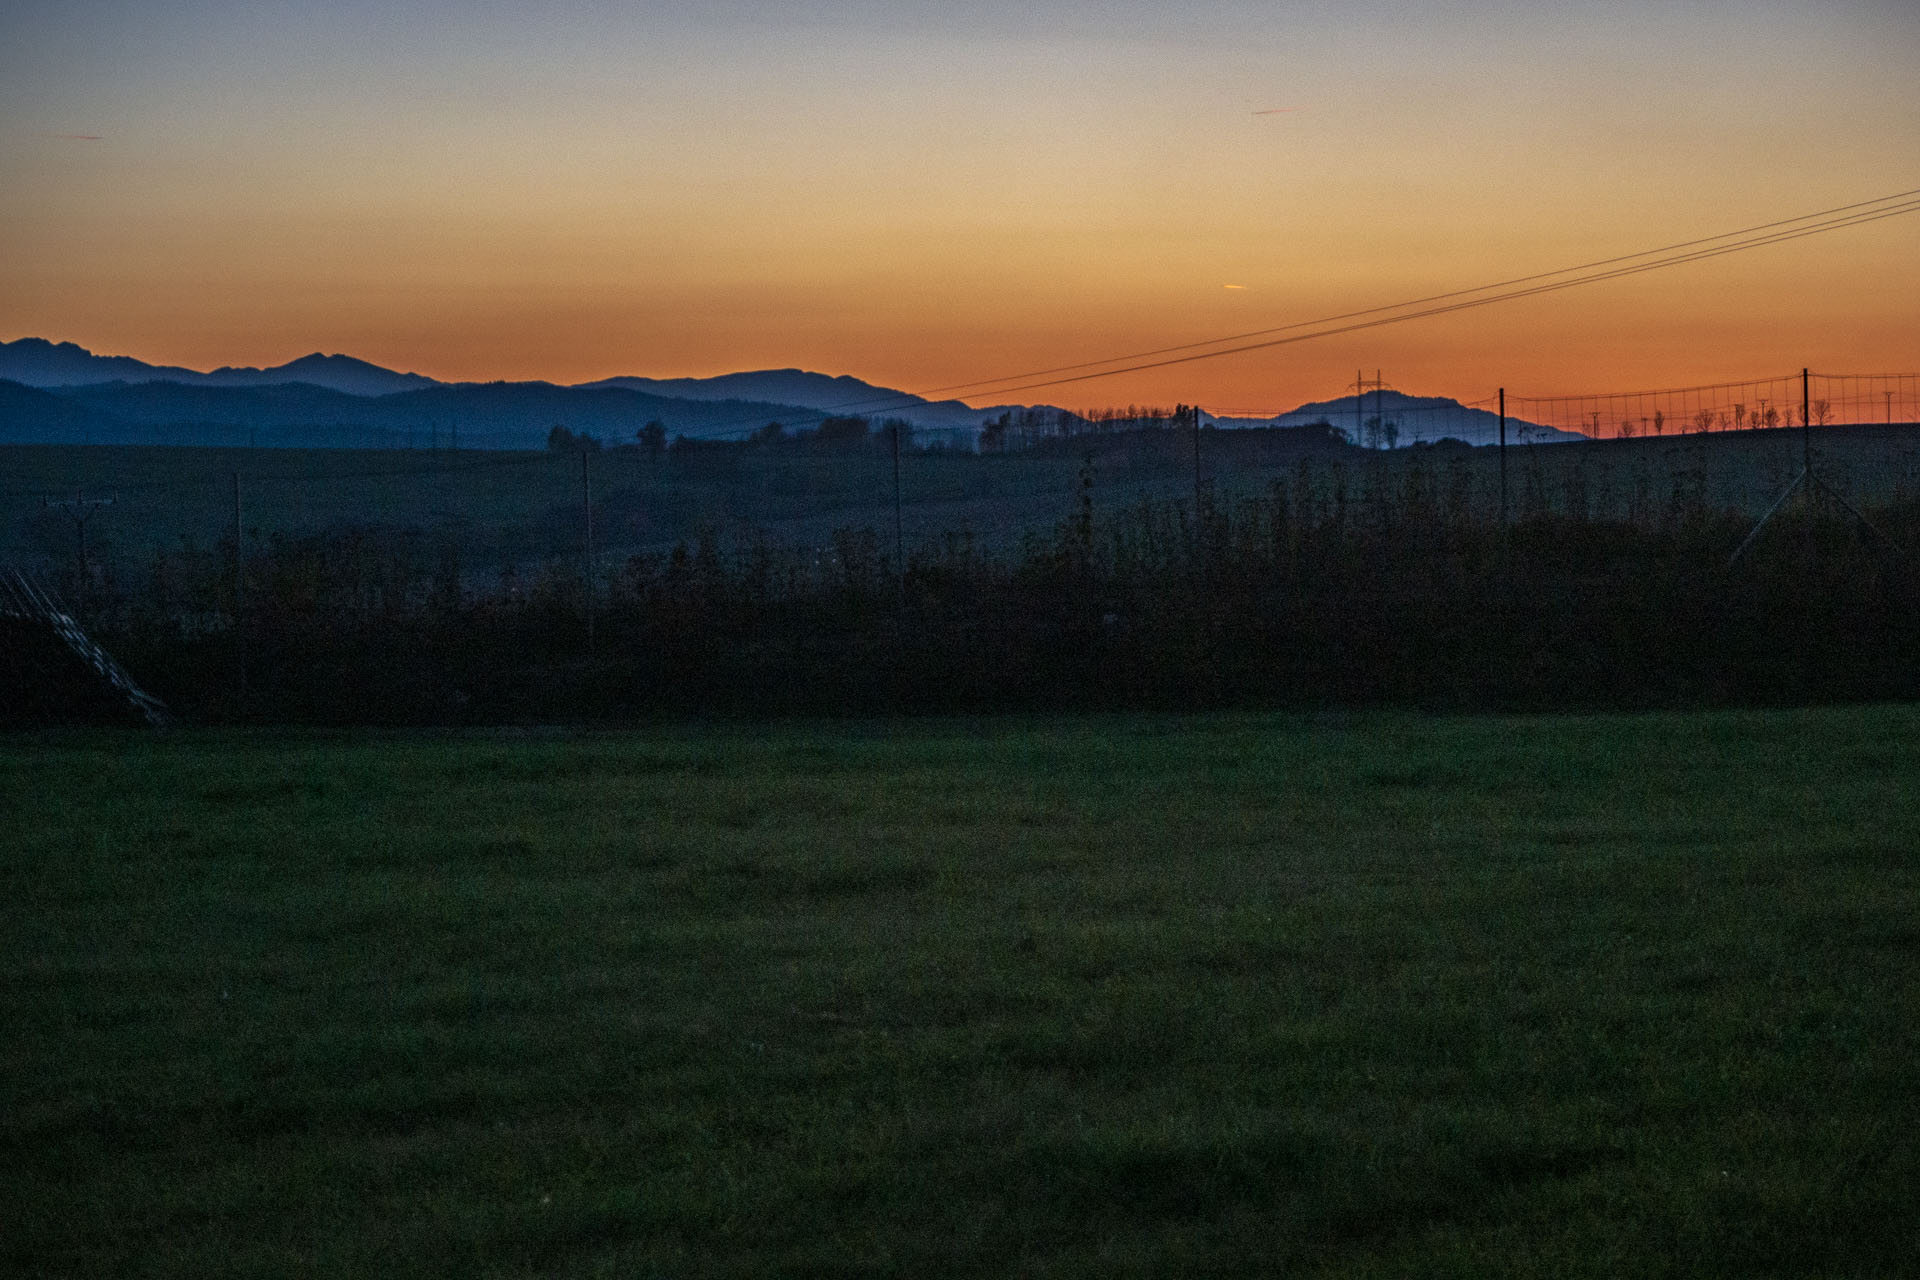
[
  {"x": 1011, "y": 431},
  {"x": 1016, "y": 430},
  {"x": 1707, "y": 418},
  {"x": 652, "y": 439}
]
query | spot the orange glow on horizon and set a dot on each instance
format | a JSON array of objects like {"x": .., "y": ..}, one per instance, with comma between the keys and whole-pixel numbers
[
  {"x": 1761, "y": 313},
  {"x": 826, "y": 196}
]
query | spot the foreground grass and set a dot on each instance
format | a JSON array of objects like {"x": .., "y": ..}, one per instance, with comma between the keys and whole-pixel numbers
[{"x": 1239, "y": 995}]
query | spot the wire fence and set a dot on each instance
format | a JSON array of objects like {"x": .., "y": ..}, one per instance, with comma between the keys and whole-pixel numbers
[{"x": 1790, "y": 400}]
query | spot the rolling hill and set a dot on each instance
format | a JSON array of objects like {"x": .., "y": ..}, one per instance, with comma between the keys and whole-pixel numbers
[
  {"x": 39, "y": 363},
  {"x": 329, "y": 401}
]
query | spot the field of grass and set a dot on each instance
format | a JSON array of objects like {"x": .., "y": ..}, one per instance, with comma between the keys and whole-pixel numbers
[
  {"x": 500, "y": 508},
  {"x": 1238, "y": 995}
]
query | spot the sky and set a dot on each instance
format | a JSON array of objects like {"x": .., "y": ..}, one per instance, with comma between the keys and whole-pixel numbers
[{"x": 932, "y": 194}]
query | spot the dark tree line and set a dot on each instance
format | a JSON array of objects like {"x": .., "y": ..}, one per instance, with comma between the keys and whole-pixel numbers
[{"x": 1291, "y": 597}]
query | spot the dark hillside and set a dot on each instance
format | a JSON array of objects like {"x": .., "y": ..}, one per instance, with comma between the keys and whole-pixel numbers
[
  {"x": 518, "y": 415},
  {"x": 181, "y": 404},
  {"x": 28, "y": 414},
  {"x": 499, "y": 415}
]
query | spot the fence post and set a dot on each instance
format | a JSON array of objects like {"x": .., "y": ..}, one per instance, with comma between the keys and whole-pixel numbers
[
  {"x": 1806, "y": 421},
  {"x": 899, "y": 536},
  {"x": 586, "y": 508},
  {"x": 1196, "y": 469},
  {"x": 1503, "y": 458},
  {"x": 239, "y": 578}
]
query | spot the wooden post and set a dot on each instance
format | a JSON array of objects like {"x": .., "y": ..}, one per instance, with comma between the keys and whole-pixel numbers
[
  {"x": 81, "y": 510},
  {"x": 1503, "y": 457},
  {"x": 239, "y": 580},
  {"x": 586, "y": 508},
  {"x": 1380, "y": 402},
  {"x": 899, "y": 537},
  {"x": 237, "y": 552},
  {"x": 1196, "y": 468},
  {"x": 1806, "y": 421}
]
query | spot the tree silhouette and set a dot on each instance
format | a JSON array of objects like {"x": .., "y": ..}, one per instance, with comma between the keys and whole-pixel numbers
[
  {"x": 561, "y": 440},
  {"x": 653, "y": 438},
  {"x": 842, "y": 430}
]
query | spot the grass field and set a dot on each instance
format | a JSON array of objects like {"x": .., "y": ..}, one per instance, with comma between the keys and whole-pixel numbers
[
  {"x": 1240, "y": 995},
  {"x": 501, "y": 507},
  {"x": 524, "y": 509}
]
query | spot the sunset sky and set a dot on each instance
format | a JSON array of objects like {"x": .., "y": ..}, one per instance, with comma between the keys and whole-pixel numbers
[{"x": 926, "y": 194}]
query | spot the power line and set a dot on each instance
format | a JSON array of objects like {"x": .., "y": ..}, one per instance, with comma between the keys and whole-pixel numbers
[
  {"x": 1615, "y": 273},
  {"x": 1438, "y": 297},
  {"x": 1734, "y": 385},
  {"x": 1779, "y": 231}
]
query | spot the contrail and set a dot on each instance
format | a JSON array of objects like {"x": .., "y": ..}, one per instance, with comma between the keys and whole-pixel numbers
[
  {"x": 77, "y": 137},
  {"x": 1278, "y": 111}
]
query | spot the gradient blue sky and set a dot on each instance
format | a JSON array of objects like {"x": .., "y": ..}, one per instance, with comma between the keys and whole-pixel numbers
[{"x": 923, "y": 194}]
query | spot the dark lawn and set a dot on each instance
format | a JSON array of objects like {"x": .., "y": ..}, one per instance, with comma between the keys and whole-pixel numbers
[{"x": 1230, "y": 995}]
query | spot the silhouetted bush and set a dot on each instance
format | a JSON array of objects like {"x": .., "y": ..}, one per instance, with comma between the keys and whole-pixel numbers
[{"x": 1295, "y": 597}]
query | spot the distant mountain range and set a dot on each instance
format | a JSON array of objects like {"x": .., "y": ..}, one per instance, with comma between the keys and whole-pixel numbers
[
  {"x": 819, "y": 391},
  {"x": 63, "y": 393},
  {"x": 36, "y": 362},
  {"x": 336, "y": 400}
]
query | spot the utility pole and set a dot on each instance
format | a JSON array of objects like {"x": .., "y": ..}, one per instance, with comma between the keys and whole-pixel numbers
[
  {"x": 81, "y": 510},
  {"x": 1806, "y": 465},
  {"x": 586, "y": 507},
  {"x": 1360, "y": 388},
  {"x": 1197, "y": 489},
  {"x": 899, "y": 537},
  {"x": 1806, "y": 421},
  {"x": 239, "y": 565},
  {"x": 1503, "y": 457},
  {"x": 1380, "y": 402},
  {"x": 1889, "y": 396}
]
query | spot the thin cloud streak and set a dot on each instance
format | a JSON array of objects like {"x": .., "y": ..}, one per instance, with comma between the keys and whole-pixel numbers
[{"x": 78, "y": 137}]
